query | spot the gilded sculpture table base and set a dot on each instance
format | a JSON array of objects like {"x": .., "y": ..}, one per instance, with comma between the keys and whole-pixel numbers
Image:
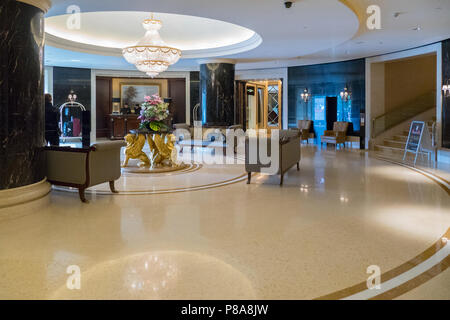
[{"x": 162, "y": 156}]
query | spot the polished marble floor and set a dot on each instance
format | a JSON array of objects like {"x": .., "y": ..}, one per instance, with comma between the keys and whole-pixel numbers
[{"x": 344, "y": 211}]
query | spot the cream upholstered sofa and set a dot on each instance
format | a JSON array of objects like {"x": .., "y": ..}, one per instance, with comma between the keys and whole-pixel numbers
[
  {"x": 184, "y": 126},
  {"x": 289, "y": 153},
  {"x": 305, "y": 128},
  {"x": 84, "y": 167},
  {"x": 336, "y": 136},
  {"x": 211, "y": 136}
]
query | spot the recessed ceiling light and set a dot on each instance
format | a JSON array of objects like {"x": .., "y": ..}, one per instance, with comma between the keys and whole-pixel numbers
[
  {"x": 418, "y": 28},
  {"x": 75, "y": 60}
]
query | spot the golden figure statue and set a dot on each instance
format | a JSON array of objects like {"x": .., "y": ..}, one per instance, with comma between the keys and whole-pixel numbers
[
  {"x": 135, "y": 144},
  {"x": 162, "y": 150}
]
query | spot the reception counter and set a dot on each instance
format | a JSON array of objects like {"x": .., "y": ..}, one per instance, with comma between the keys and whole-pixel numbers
[{"x": 121, "y": 124}]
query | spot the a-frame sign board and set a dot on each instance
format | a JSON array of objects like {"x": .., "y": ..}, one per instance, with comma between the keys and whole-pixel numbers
[{"x": 419, "y": 140}]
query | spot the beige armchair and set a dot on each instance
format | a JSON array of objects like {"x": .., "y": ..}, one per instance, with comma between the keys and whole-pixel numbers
[
  {"x": 84, "y": 167},
  {"x": 305, "y": 127},
  {"x": 289, "y": 147},
  {"x": 336, "y": 136}
]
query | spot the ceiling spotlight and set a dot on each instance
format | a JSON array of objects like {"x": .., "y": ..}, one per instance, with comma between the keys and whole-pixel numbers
[
  {"x": 398, "y": 14},
  {"x": 418, "y": 28},
  {"x": 288, "y": 4}
]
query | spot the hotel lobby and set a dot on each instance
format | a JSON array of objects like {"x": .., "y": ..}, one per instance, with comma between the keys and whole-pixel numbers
[{"x": 225, "y": 150}]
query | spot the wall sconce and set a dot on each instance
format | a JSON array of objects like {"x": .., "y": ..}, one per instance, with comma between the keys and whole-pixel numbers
[
  {"x": 305, "y": 95},
  {"x": 446, "y": 89},
  {"x": 345, "y": 95},
  {"x": 72, "y": 96}
]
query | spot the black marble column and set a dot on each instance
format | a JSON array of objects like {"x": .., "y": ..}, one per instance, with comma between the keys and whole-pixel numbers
[
  {"x": 195, "y": 93},
  {"x": 21, "y": 94},
  {"x": 445, "y": 99},
  {"x": 217, "y": 94}
]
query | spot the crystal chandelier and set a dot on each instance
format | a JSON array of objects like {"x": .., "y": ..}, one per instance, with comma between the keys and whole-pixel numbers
[{"x": 151, "y": 55}]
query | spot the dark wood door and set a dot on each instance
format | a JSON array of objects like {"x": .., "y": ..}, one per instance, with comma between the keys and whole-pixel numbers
[
  {"x": 177, "y": 92},
  {"x": 103, "y": 105}
]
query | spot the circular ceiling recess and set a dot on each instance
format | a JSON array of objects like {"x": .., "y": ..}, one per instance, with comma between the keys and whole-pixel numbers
[{"x": 109, "y": 32}]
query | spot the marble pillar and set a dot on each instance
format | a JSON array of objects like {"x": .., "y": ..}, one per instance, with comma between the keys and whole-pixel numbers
[
  {"x": 217, "y": 94},
  {"x": 21, "y": 94}
]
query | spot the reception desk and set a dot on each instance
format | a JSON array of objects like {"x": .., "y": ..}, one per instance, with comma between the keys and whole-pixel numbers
[{"x": 121, "y": 124}]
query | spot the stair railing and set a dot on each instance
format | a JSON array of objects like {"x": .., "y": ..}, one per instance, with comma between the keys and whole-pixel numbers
[{"x": 409, "y": 110}]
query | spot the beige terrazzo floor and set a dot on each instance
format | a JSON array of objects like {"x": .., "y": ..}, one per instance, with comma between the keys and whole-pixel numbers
[{"x": 317, "y": 234}]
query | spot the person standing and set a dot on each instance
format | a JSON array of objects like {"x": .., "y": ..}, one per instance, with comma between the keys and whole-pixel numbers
[{"x": 52, "y": 130}]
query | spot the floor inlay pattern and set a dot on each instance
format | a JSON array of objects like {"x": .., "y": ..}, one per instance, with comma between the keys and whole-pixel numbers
[
  {"x": 411, "y": 274},
  {"x": 341, "y": 213},
  {"x": 192, "y": 178}
]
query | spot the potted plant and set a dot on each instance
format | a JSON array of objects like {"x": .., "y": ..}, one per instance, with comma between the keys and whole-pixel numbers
[{"x": 153, "y": 113}]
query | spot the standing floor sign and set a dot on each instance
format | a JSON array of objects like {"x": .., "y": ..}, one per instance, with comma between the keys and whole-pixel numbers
[{"x": 419, "y": 140}]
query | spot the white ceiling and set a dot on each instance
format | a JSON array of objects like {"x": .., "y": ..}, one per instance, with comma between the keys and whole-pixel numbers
[
  {"x": 186, "y": 33},
  {"x": 312, "y": 31}
]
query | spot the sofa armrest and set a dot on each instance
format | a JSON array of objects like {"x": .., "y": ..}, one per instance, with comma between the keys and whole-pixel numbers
[
  {"x": 290, "y": 154},
  {"x": 109, "y": 145},
  {"x": 104, "y": 162}
]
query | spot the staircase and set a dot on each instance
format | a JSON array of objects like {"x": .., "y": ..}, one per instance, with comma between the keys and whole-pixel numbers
[
  {"x": 390, "y": 130},
  {"x": 394, "y": 146}
]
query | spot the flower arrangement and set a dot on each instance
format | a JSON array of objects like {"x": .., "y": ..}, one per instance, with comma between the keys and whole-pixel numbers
[{"x": 153, "y": 112}]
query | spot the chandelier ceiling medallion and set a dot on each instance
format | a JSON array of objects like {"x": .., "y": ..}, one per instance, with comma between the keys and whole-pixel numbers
[{"x": 151, "y": 54}]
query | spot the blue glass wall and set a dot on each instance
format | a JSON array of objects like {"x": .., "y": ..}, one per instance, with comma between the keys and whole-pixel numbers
[{"x": 328, "y": 80}]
